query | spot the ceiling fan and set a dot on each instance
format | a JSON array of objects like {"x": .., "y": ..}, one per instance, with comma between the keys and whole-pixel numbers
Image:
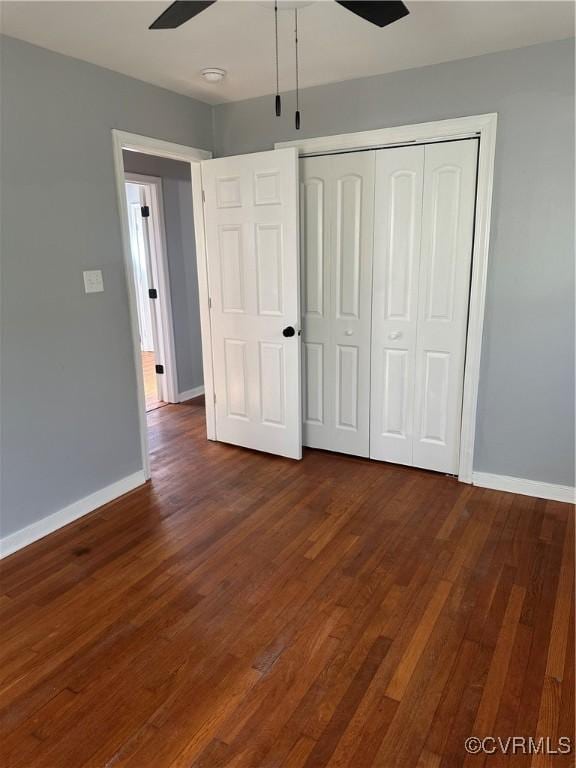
[{"x": 379, "y": 13}]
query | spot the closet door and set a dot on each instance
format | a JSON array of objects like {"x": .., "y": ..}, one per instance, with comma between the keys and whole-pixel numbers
[
  {"x": 422, "y": 258},
  {"x": 443, "y": 297},
  {"x": 337, "y": 199},
  {"x": 397, "y": 238}
]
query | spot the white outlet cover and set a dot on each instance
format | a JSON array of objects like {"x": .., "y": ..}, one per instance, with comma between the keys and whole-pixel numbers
[{"x": 93, "y": 282}]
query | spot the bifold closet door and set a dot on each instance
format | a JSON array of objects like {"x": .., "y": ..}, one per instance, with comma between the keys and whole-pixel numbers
[
  {"x": 336, "y": 224},
  {"x": 422, "y": 257}
]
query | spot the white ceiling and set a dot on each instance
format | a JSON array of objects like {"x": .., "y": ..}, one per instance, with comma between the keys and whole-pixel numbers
[{"x": 239, "y": 36}]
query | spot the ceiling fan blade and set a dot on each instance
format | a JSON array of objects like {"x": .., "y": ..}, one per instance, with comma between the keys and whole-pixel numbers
[
  {"x": 178, "y": 13},
  {"x": 379, "y": 13}
]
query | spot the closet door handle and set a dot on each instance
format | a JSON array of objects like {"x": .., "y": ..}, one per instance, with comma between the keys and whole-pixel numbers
[
  {"x": 394, "y": 335},
  {"x": 348, "y": 332}
]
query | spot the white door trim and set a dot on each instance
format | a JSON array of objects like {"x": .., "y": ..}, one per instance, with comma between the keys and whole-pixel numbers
[
  {"x": 483, "y": 127},
  {"x": 147, "y": 145},
  {"x": 204, "y": 299},
  {"x": 168, "y": 388}
]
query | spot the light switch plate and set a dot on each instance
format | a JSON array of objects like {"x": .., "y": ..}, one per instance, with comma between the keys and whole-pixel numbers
[{"x": 93, "y": 282}]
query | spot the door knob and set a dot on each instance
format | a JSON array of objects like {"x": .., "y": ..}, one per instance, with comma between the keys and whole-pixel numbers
[
  {"x": 288, "y": 331},
  {"x": 394, "y": 335},
  {"x": 348, "y": 332}
]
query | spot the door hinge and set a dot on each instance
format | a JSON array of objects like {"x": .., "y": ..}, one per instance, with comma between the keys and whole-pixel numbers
[
  {"x": 145, "y": 211},
  {"x": 203, "y": 196},
  {"x": 214, "y": 398},
  {"x": 159, "y": 368},
  {"x": 152, "y": 293},
  {"x": 209, "y": 302}
]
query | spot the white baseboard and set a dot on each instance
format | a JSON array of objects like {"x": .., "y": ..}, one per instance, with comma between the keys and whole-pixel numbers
[
  {"x": 190, "y": 393},
  {"x": 525, "y": 487},
  {"x": 31, "y": 533}
]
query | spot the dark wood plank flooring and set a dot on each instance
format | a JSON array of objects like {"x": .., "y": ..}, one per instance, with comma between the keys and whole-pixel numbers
[{"x": 248, "y": 611}]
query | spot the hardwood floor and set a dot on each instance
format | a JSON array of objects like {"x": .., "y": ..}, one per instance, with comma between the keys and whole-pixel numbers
[{"x": 249, "y": 611}]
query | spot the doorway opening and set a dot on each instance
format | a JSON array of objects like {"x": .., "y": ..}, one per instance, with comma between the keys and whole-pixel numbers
[{"x": 160, "y": 201}]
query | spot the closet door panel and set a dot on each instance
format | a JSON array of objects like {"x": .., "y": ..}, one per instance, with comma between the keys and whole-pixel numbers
[
  {"x": 349, "y": 193},
  {"x": 347, "y": 388},
  {"x": 337, "y": 198},
  {"x": 444, "y": 287},
  {"x": 313, "y": 388},
  {"x": 397, "y": 242},
  {"x": 312, "y": 218},
  {"x": 352, "y": 237}
]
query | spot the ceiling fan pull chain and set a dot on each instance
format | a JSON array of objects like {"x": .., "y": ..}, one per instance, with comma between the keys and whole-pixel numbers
[
  {"x": 297, "y": 116},
  {"x": 278, "y": 103}
]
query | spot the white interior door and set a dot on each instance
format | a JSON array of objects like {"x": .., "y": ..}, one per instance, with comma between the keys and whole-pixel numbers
[
  {"x": 337, "y": 204},
  {"x": 423, "y": 249},
  {"x": 251, "y": 221}
]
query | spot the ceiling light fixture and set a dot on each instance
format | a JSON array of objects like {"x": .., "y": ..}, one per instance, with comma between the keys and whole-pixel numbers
[{"x": 213, "y": 74}]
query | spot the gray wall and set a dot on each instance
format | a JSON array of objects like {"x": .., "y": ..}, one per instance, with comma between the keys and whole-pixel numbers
[
  {"x": 69, "y": 407},
  {"x": 181, "y": 256},
  {"x": 525, "y": 425},
  {"x": 68, "y": 385}
]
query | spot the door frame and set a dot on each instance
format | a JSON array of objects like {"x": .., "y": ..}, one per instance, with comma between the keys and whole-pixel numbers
[
  {"x": 160, "y": 279},
  {"x": 147, "y": 145},
  {"x": 482, "y": 127}
]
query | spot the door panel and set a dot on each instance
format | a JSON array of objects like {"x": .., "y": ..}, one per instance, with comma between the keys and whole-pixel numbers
[
  {"x": 434, "y": 399},
  {"x": 337, "y": 201},
  {"x": 348, "y": 244},
  {"x": 251, "y": 217},
  {"x": 401, "y": 264},
  {"x": 269, "y": 269},
  {"x": 231, "y": 269},
  {"x": 312, "y": 224},
  {"x": 347, "y": 387},
  {"x": 313, "y": 371},
  {"x": 447, "y": 236},
  {"x": 397, "y": 236},
  {"x": 236, "y": 378},
  {"x": 444, "y": 199},
  {"x": 272, "y": 383},
  {"x": 395, "y": 391}
]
